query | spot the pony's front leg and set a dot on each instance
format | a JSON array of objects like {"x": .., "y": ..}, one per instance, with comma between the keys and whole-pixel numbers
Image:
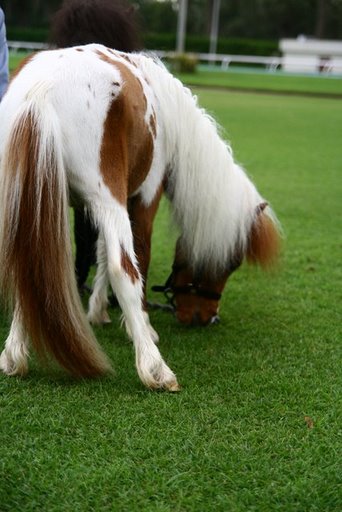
[
  {"x": 98, "y": 301},
  {"x": 141, "y": 218},
  {"x": 13, "y": 360}
]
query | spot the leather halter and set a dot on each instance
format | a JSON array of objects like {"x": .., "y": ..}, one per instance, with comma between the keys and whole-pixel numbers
[{"x": 192, "y": 288}]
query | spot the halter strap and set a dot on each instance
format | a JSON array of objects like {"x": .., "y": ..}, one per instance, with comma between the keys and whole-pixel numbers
[{"x": 169, "y": 290}]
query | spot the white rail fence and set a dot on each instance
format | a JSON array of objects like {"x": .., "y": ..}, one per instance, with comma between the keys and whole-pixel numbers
[
  {"x": 225, "y": 60},
  {"x": 27, "y": 46}
]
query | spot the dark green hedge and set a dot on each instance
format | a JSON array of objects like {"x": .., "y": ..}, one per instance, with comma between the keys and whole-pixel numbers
[
  {"x": 168, "y": 42},
  {"x": 248, "y": 47},
  {"x": 165, "y": 42},
  {"x": 36, "y": 35},
  {"x": 198, "y": 44}
]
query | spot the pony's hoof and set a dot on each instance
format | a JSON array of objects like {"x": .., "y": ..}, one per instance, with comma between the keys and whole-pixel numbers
[
  {"x": 8, "y": 367},
  {"x": 161, "y": 378},
  {"x": 152, "y": 369},
  {"x": 173, "y": 387},
  {"x": 170, "y": 386}
]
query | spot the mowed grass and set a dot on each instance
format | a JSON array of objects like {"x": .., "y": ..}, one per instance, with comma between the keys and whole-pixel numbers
[
  {"x": 234, "y": 78},
  {"x": 257, "y": 425},
  {"x": 15, "y": 58}
]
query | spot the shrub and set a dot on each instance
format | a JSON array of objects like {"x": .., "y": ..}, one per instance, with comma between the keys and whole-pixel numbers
[{"x": 183, "y": 63}]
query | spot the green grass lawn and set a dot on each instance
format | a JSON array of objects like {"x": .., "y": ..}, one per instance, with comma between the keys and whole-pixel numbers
[
  {"x": 234, "y": 78},
  {"x": 14, "y": 59},
  {"x": 257, "y": 425}
]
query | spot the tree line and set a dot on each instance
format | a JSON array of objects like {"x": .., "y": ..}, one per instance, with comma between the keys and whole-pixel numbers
[{"x": 258, "y": 19}]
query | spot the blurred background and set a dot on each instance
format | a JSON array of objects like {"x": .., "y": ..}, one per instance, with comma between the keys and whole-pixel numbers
[{"x": 245, "y": 27}]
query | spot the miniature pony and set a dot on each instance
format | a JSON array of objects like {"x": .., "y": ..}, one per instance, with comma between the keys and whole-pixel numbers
[{"x": 104, "y": 126}]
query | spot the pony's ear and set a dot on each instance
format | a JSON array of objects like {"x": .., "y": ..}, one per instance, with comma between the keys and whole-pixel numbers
[
  {"x": 261, "y": 207},
  {"x": 264, "y": 240}
]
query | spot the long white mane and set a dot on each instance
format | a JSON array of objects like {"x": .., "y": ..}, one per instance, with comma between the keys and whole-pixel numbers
[{"x": 213, "y": 200}]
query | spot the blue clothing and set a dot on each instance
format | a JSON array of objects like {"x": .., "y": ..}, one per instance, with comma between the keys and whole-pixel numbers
[{"x": 3, "y": 55}]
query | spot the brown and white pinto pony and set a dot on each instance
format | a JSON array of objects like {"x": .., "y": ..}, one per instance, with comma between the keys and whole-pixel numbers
[{"x": 104, "y": 126}]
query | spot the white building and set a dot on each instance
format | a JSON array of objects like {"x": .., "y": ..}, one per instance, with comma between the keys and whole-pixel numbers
[{"x": 311, "y": 55}]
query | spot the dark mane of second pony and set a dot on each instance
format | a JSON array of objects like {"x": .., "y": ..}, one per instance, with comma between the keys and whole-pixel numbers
[{"x": 108, "y": 22}]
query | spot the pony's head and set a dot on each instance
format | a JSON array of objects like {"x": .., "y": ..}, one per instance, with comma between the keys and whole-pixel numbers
[{"x": 195, "y": 294}]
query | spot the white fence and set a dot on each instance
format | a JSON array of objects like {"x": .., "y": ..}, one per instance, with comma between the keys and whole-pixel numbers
[
  {"x": 225, "y": 60},
  {"x": 311, "y": 55},
  {"x": 270, "y": 63},
  {"x": 286, "y": 63},
  {"x": 27, "y": 46}
]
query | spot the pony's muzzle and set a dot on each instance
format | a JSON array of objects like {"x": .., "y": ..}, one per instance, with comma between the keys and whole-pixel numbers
[{"x": 198, "y": 321}]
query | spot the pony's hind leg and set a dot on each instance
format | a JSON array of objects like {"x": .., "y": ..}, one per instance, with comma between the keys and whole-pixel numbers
[
  {"x": 13, "y": 360},
  {"x": 98, "y": 302},
  {"x": 127, "y": 284}
]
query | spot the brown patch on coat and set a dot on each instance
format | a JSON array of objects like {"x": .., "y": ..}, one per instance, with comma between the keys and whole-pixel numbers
[
  {"x": 153, "y": 124},
  {"x": 122, "y": 55},
  {"x": 128, "y": 59},
  {"x": 128, "y": 266},
  {"x": 264, "y": 240},
  {"x": 127, "y": 143},
  {"x": 114, "y": 152}
]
